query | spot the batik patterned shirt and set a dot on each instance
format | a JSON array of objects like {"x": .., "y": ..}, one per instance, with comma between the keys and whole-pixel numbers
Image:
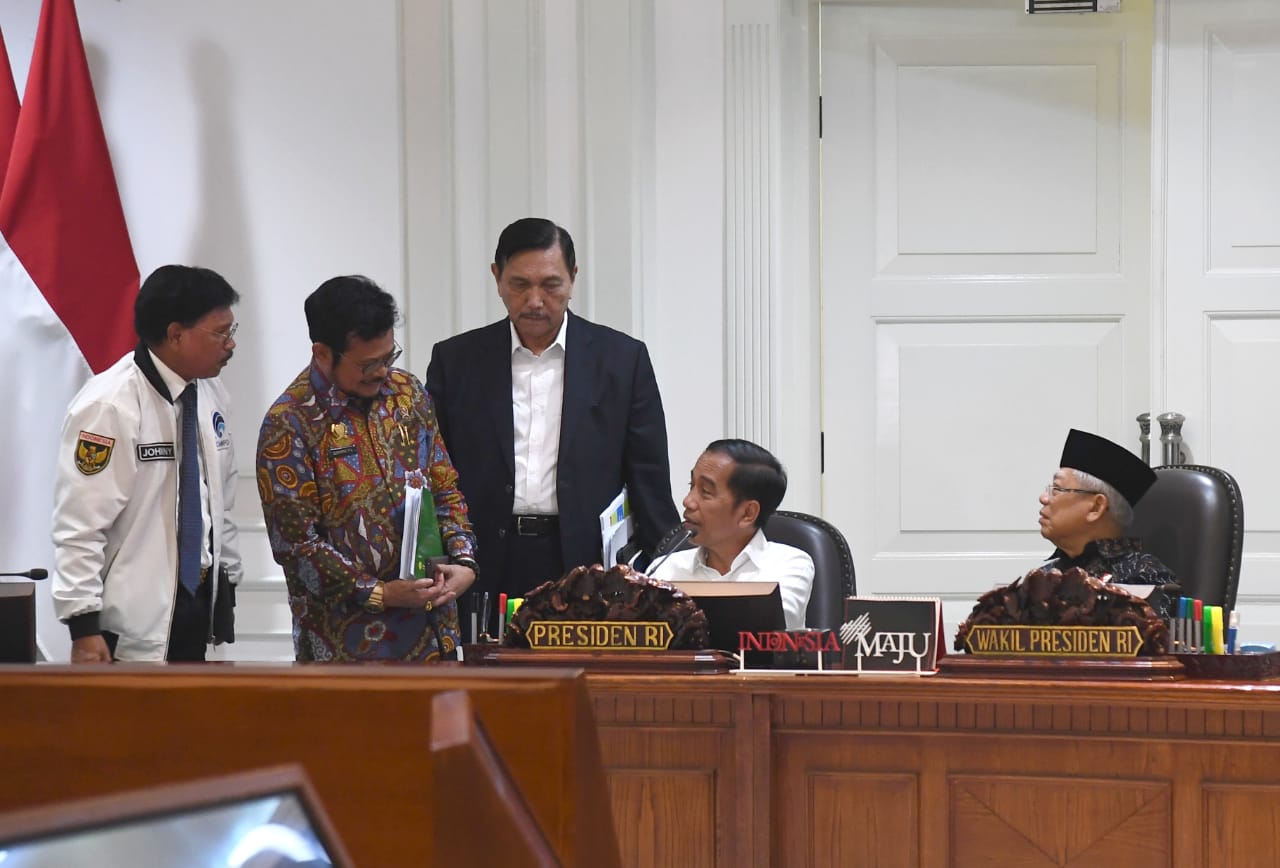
[
  {"x": 1123, "y": 559},
  {"x": 331, "y": 474}
]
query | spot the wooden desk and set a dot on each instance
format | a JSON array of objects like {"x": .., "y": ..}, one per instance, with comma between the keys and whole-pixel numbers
[{"x": 773, "y": 770}]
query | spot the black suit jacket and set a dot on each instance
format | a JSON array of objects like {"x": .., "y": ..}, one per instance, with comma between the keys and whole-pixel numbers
[{"x": 612, "y": 433}]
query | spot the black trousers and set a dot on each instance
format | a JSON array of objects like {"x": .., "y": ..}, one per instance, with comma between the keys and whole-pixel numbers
[
  {"x": 531, "y": 560},
  {"x": 189, "y": 632}
]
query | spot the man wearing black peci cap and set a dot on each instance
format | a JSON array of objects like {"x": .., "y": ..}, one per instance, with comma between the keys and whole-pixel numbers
[{"x": 1087, "y": 509}]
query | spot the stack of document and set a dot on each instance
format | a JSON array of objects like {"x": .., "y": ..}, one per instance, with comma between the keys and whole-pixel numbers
[{"x": 409, "y": 539}]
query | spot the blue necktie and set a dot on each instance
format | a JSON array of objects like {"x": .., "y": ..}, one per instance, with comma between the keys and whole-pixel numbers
[{"x": 190, "y": 531}]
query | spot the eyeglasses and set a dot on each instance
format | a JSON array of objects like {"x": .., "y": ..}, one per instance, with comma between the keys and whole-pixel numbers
[
  {"x": 367, "y": 368},
  {"x": 1054, "y": 490},
  {"x": 226, "y": 337}
]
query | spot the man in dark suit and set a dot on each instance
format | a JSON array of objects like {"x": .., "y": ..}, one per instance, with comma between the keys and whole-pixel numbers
[{"x": 546, "y": 417}]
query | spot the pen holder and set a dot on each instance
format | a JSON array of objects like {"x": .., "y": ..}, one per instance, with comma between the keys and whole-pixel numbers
[{"x": 1232, "y": 667}]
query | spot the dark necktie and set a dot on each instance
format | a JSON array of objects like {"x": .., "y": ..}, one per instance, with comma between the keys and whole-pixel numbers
[{"x": 190, "y": 531}]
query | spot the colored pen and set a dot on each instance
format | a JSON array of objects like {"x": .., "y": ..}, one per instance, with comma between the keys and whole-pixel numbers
[
  {"x": 1208, "y": 627},
  {"x": 1232, "y": 628},
  {"x": 502, "y": 615},
  {"x": 1184, "y": 624},
  {"x": 1197, "y": 627},
  {"x": 484, "y": 614},
  {"x": 1219, "y": 647}
]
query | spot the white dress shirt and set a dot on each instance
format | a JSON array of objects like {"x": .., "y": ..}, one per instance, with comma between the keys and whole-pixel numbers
[
  {"x": 537, "y": 396},
  {"x": 176, "y": 386},
  {"x": 760, "y": 561}
]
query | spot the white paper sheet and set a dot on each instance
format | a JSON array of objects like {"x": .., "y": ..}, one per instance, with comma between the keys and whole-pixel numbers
[
  {"x": 615, "y": 527},
  {"x": 409, "y": 544}
]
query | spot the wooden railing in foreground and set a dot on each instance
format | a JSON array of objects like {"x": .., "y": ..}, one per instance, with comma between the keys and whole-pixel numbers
[{"x": 363, "y": 734}]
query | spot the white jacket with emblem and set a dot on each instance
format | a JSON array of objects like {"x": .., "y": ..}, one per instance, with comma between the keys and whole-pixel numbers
[{"x": 115, "y": 522}]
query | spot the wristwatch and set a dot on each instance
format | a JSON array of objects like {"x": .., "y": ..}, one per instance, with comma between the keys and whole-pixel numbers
[
  {"x": 466, "y": 561},
  {"x": 374, "y": 604}
]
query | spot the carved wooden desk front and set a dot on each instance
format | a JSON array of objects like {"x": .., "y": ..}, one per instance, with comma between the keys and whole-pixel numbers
[{"x": 824, "y": 771}]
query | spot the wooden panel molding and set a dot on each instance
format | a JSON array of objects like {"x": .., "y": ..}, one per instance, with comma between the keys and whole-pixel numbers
[
  {"x": 1238, "y": 815},
  {"x": 679, "y": 772},
  {"x": 1058, "y": 822},
  {"x": 1040, "y": 717},
  {"x": 648, "y": 804},
  {"x": 943, "y": 771},
  {"x": 861, "y": 819}
]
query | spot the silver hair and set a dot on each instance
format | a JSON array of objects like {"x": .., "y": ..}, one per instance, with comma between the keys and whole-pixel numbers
[{"x": 1120, "y": 508}]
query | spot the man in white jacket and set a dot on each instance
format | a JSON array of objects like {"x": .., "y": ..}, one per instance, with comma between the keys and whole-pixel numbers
[{"x": 140, "y": 571}]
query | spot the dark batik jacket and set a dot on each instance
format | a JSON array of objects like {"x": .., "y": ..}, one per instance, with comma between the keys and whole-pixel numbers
[
  {"x": 332, "y": 471},
  {"x": 1125, "y": 561}
]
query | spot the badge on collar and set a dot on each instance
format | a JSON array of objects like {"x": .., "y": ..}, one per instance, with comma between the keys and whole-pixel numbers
[
  {"x": 339, "y": 434},
  {"x": 93, "y": 451}
]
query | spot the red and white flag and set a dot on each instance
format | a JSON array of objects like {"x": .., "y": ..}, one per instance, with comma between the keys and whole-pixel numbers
[{"x": 68, "y": 279}]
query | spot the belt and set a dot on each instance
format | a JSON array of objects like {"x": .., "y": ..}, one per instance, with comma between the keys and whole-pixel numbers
[{"x": 535, "y": 525}]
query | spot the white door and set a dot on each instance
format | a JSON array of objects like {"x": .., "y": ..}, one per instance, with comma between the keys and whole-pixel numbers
[
  {"x": 1221, "y": 102},
  {"x": 985, "y": 272}
]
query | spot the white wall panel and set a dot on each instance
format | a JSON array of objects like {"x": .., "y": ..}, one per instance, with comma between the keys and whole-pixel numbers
[
  {"x": 1033, "y": 116},
  {"x": 959, "y": 464},
  {"x": 1221, "y": 259},
  {"x": 1243, "y": 127},
  {"x": 944, "y": 400},
  {"x": 687, "y": 334},
  {"x": 751, "y": 94},
  {"x": 1240, "y": 349},
  {"x": 1000, "y": 153}
]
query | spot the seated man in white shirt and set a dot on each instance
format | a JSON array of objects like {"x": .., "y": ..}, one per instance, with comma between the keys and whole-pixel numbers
[{"x": 733, "y": 489}]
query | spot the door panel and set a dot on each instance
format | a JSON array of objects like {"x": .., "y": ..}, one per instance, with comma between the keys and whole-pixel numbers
[
  {"x": 1222, "y": 262},
  {"x": 985, "y": 270}
]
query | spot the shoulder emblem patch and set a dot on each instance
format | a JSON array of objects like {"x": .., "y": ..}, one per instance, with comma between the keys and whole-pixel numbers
[{"x": 93, "y": 451}]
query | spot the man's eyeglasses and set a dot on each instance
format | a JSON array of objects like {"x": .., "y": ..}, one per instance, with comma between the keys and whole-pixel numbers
[
  {"x": 226, "y": 337},
  {"x": 368, "y": 368},
  {"x": 1054, "y": 490}
]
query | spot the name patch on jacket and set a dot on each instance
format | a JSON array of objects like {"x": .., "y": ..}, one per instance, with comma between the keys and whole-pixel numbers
[
  {"x": 93, "y": 451},
  {"x": 156, "y": 452}
]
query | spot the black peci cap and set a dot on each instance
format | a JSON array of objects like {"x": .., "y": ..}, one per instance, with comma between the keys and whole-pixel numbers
[{"x": 1110, "y": 462}]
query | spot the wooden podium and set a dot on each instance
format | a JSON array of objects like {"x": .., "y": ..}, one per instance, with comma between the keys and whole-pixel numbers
[{"x": 362, "y": 733}]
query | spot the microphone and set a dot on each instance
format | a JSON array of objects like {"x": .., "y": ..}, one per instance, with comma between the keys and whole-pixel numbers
[
  {"x": 33, "y": 573},
  {"x": 669, "y": 550}
]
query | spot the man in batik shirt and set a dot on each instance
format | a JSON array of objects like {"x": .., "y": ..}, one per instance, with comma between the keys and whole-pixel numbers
[{"x": 335, "y": 455}]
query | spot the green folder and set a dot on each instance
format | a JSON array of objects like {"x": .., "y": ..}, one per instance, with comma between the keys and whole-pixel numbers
[{"x": 429, "y": 543}]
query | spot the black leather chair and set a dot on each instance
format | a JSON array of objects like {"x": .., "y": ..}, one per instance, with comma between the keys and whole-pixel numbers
[
  {"x": 1192, "y": 518},
  {"x": 833, "y": 573}
]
